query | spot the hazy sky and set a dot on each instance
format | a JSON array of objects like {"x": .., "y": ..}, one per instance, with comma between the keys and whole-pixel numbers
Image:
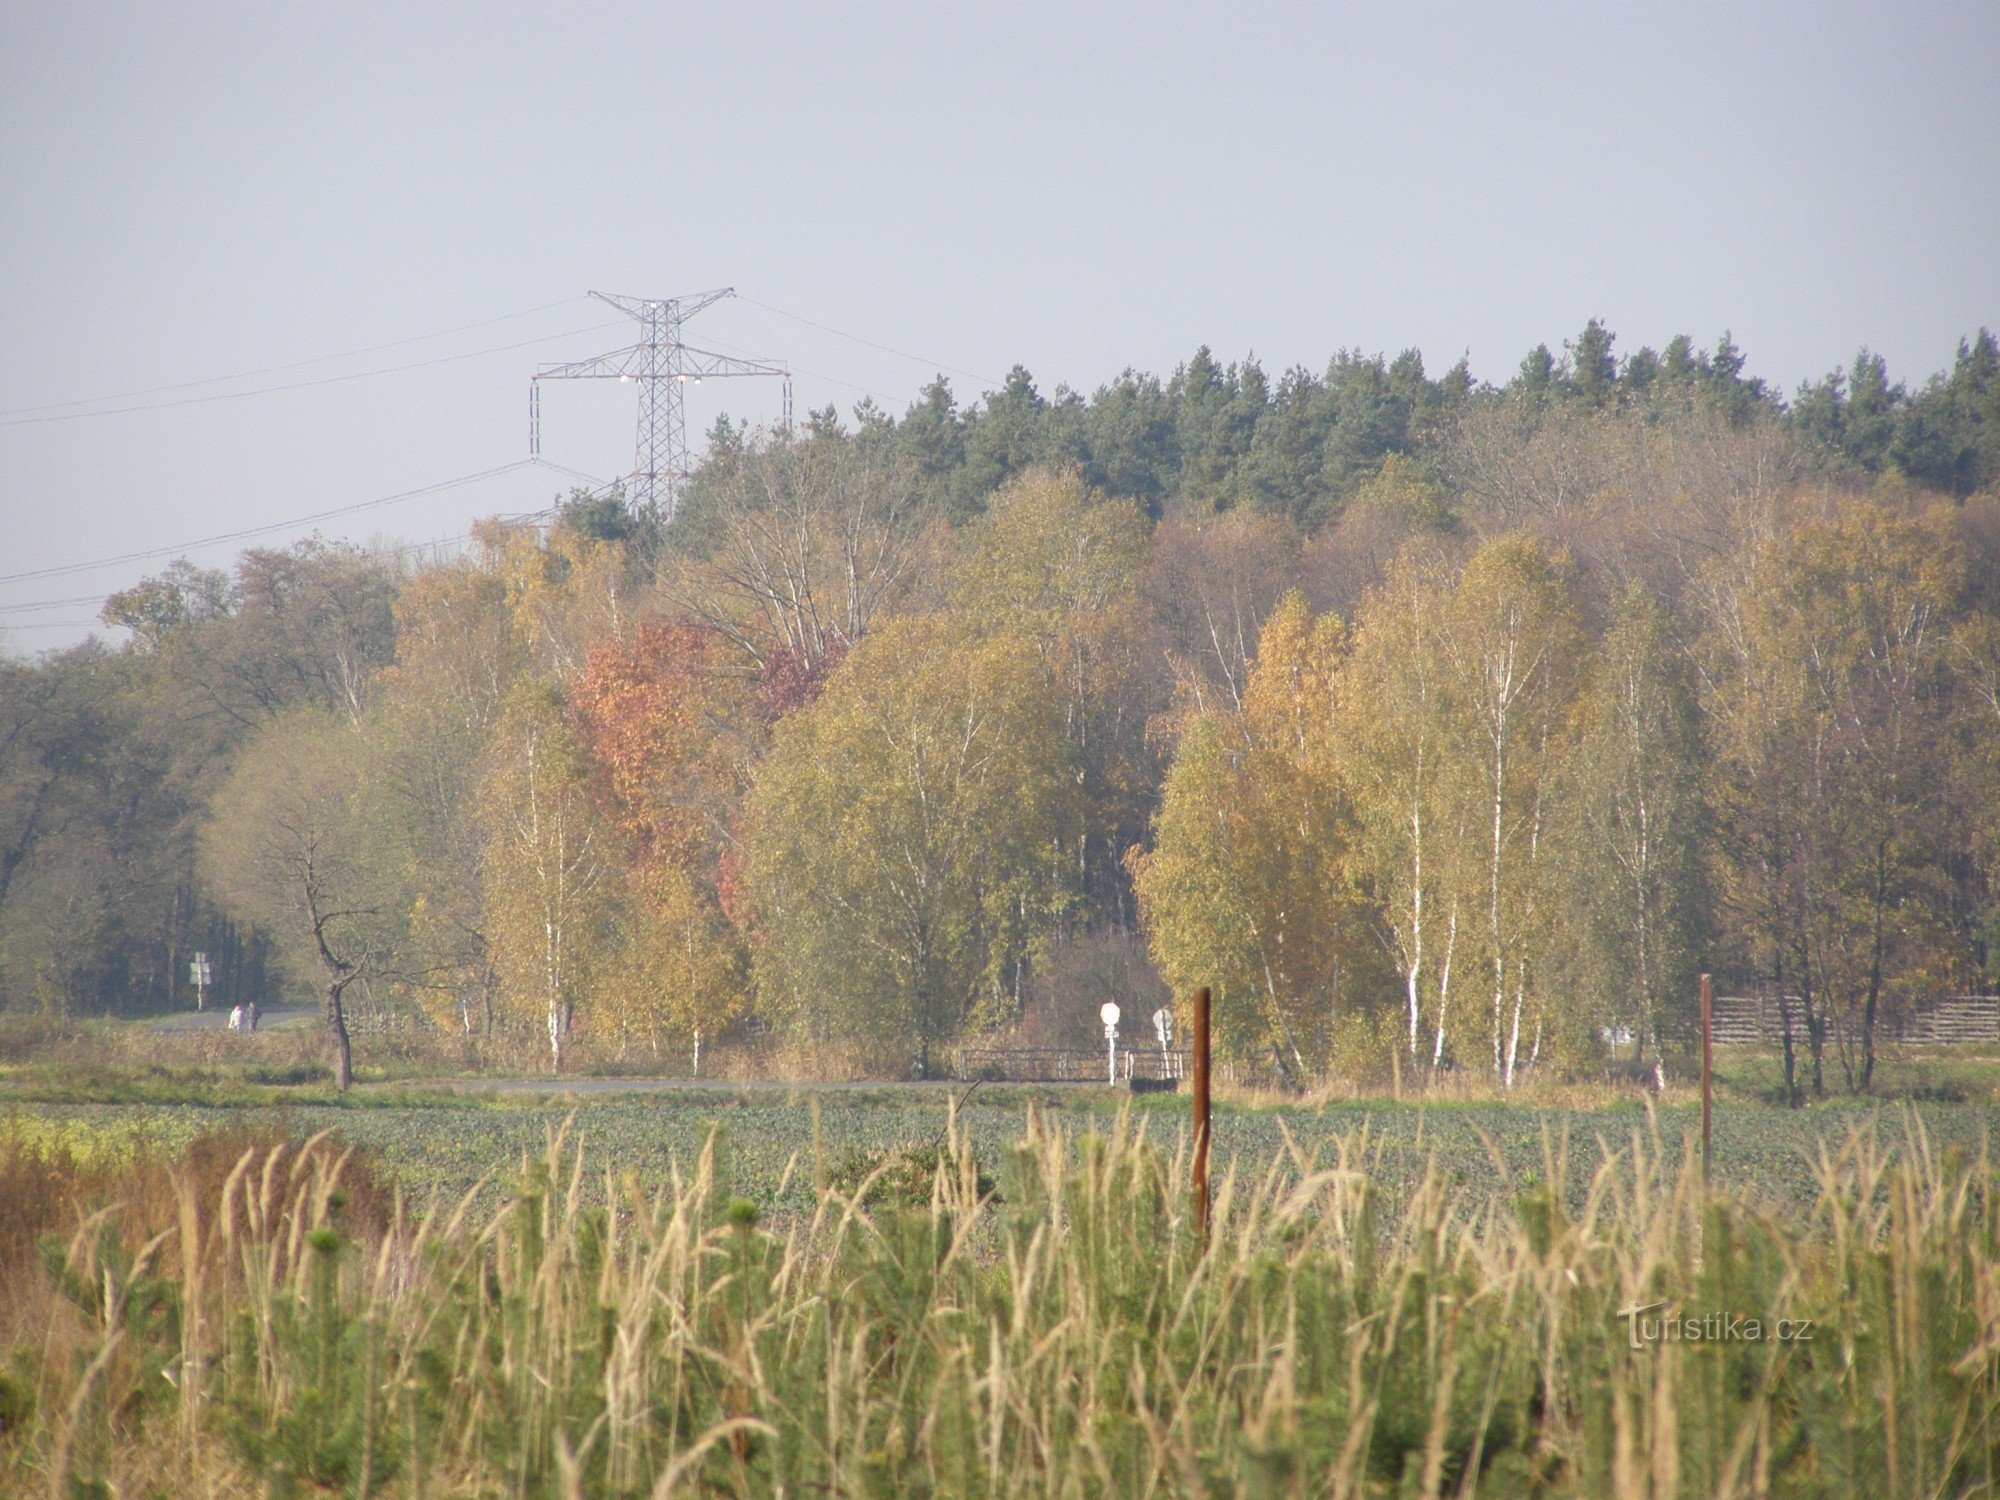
[{"x": 194, "y": 191}]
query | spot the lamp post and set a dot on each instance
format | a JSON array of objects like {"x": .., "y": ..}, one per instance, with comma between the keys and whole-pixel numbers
[
  {"x": 1108, "y": 1013},
  {"x": 1163, "y": 1023}
]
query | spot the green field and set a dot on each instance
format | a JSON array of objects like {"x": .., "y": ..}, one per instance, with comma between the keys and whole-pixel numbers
[{"x": 775, "y": 1143}]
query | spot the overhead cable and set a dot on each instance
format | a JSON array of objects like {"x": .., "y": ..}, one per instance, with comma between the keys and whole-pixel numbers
[
  {"x": 935, "y": 364},
  {"x": 152, "y": 553},
  {"x": 297, "y": 364},
  {"x": 299, "y": 385}
]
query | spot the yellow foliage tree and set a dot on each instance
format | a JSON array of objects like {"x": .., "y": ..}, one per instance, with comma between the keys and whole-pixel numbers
[
  {"x": 458, "y": 655},
  {"x": 905, "y": 838},
  {"x": 677, "y": 971},
  {"x": 1391, "y": 729},
  {"x": 1059, "y": 564},
  {"x": 1249, "y": 887},
  {"x": 548, "y": 866}
]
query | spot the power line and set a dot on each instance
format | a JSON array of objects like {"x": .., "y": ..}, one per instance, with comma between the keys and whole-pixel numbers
[
  {"x": 299, "y": 385},
  {"x": 41, "y": 604},
  {"x": 589, "y": 479},
  {"x": 935, "y": 364},
  {"x": 299, "y": 364},
  {"x": 816, "y": 374},
  {"x": 153, "y": 553}
]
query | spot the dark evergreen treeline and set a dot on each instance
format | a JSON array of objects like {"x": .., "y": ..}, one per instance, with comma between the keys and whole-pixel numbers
[{"x": 1221, "y": 436}]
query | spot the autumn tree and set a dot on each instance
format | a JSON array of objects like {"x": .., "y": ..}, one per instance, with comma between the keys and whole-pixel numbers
[
  {"x": 301, "y": 625},
  {"x": 1975, "y": 658},
  {"x": 1835, "y": 694},
  {"x": 1410, "y": 834},
  {"x": 677, "y": 968},
  {"x": 670, "y": 723},
  {"x": 1454, "y": 711},
  {"x": 1637, "y": 898},
  {"x": 1512, "y": 652},
  {"x": 459, "y": 654},
  {"x": 285, "y": 849},
  {"x": 548, "y": 864},
  {"x": 797, "y": 547},
  {"x": 906, "y": 840},
  {"x": 1250, "y": 885},
  {"x": 1211, "y": 581},
  {"x": 566, "y": 588},
  {"x": 1058, "y": 564}
]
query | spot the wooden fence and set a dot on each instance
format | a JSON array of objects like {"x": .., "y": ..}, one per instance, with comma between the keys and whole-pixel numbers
[
  {"x": 1068, "y": 1065},
  {"x": 1949, "y": 1021}
]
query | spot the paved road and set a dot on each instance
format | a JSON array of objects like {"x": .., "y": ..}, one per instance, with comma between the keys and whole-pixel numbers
[{"x": 218, "y": 1020}]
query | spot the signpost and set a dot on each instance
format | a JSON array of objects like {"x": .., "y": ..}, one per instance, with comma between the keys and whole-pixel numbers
[
  {"x": 203, "y": 976},
  {"x": 1108, "y": 1013},
  {"x": 1163, "y": 1023}
]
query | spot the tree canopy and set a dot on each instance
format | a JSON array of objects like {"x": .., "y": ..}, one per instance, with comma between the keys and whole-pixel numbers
[{"x": 1437, "y": 726}]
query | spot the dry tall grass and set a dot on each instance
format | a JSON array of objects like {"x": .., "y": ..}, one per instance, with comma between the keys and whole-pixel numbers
[{"x": 1073, "y": 1336}]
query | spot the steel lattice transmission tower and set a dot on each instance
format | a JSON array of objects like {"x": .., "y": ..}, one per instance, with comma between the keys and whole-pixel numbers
[{"x": 663, "y": 366}]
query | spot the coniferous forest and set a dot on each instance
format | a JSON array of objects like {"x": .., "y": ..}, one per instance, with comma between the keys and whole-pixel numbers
[{"x": 1437, "y": 725}]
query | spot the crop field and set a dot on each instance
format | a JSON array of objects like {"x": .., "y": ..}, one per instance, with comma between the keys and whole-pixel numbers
[{"x": 774, "y": 1144}]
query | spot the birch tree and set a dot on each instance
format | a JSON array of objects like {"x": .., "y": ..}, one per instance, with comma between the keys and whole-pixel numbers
[
  {"x": 433, "y": 715},
  {"x": 1637, "y": 896},
  {"x": 1511, "y": 649},
  {"x": 1392, "y": 723},
  {"x": 797, "y": 548},
  {"x": 548, "y": 864},
  {"x": 1858, "y": 609}
]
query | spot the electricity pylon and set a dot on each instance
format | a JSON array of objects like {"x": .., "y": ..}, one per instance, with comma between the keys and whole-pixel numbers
[{"x": 663, "y": 366}]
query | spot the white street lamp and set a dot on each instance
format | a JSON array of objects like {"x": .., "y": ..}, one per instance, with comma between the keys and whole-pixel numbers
[
  {"x": 1163, "y": 1023},
  {"x": 1108, "y": 1013}
]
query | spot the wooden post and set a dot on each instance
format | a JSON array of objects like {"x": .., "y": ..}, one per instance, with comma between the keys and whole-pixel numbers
[
  {"x": 1707, "y": 1055},
  {"x": 1201, "y": 1107}
]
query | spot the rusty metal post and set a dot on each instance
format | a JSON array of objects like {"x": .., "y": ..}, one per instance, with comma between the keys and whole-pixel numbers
[
  {"x": 1201, "y": 1117},
  {"x": 1707, "y": 1055}
]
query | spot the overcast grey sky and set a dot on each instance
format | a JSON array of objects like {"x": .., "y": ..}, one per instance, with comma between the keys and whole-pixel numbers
[{"x": 193, "y": 191}]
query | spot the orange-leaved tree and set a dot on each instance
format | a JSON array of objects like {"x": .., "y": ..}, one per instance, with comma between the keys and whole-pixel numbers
[{"x": 668, "y": 724}]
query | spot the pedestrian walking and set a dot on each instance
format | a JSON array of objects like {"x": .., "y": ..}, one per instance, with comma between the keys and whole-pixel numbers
[{"x": 236, "y": 1018}]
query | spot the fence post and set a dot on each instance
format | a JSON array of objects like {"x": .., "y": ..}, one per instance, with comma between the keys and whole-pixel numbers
[
  {"x": 1201, "y": 1116},
  {"x": 1707, "y": 1055}
]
